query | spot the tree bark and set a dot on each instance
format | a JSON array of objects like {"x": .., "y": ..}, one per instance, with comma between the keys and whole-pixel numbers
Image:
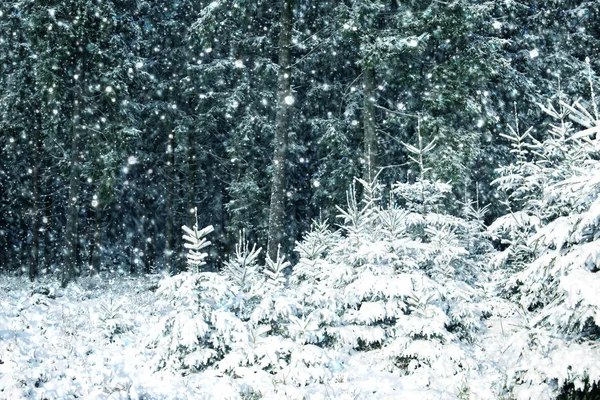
[
  {"x": 369, "y": 122},
  {"x": 190, "y": 215},
  {"x": 284, "y": 103},
  {"x": 22, "y": 261},
  {"x": 149, "y": 252},
  {"x": 70, "y": 265},
  {"x": 169, "y": 238},
  {"x": 96, "y": 245},
  {"x": 47, "y": 237},
  {"x": 36, "y": 207},
  {"x": 192, "y": 177}
]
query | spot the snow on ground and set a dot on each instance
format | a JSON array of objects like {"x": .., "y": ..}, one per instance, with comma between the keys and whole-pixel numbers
[{"x": 90, "y": 341}]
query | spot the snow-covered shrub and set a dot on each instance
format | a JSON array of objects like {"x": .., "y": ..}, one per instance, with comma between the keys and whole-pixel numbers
[
  {"x": 393, "y": 279},
  {"x": 559, "y": 284},
  {"x": 275, "y": 277},
  {"x": 243, "y": 271},
  {"x": 280, "y": 334},
  {"x": 521, "y": 183},
  {"x": 111, "y": 320},
  {"x": 317, "y": 242},
  {"x": 200, "y": 327}
]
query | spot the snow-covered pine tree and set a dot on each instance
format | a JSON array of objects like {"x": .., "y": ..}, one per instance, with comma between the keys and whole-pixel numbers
[
  {"x": 386, "y": 282},
  {"x": 195, "y": 241},
  {"x": 274, "y": 271},
  {"x": 444, "y": 256},
  {"x": 242, "y": 269},
  {"x": 417, "y": 154},
  {"x": 244, "y": 274},
  {"x": 198, "y": 327},
  {"x": 311, "y": 249},
  {"x": 521, "y": 183},
  {"x": 558, "y": 288}
]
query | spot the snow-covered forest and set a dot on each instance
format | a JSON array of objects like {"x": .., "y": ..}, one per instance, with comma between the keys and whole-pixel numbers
[{"x": 296, "y": 199}]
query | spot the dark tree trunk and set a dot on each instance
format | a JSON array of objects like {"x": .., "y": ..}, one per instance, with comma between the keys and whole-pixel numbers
[
  {"x": 169, "y": 238},
  {"x": 68, "y": 271},
  {"x": 22, "y": 260},
  {"x": 71, "y": 262},
  {"x": 284, "y": 102},
  {"x": 22, "y": 255},
  {"x": 190, "y": 215},
  {"x": 149, "y": 250},
  {"x": 96, "y": 244},
  {"x": 132, "y": 256},
  {"x": 47, "y": 234},
  {"x": 37, "y": 204},
  {"x": 369, "y": 122},
  {"x": 192, "y": 177}
]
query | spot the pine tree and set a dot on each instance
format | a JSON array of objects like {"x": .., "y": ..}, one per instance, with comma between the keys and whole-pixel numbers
[
  {"x": 196, "y": 241},
  {"x": 555, "y": 283}
]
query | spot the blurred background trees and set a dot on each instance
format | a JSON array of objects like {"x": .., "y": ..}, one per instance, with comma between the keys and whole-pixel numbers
[{"x": 118, "y": 118}]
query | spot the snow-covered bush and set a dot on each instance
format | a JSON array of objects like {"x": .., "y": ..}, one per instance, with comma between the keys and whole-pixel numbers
[
  {"x": 280, "y": 336},
  {"x": 200, "y": 327},
  {"x": 242, "y": 269},
  {"x": 112, "y": 322},
  {"x": 391, "y": 278},
  {"x": 558, "y": 284}
]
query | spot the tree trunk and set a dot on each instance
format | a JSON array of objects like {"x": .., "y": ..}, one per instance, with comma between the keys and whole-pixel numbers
[
  {"x": 71, "y": 262},
  {"x": 36, "y": 209},
  {"x": 72, "y": 213},
  {"x": 96, "y": 245},
  {"x": 169, "y": 239},
  {"x": 370, "y": 133},
  {"x": 132, "y": 256},
  {"x": 284, "y": 102},
  {"x": 149, "y": 253},
  {"x": 192, "y": 177},
  {"x": 190, "y": 215},
  {"x": 47, "y": 238},
  {"x": 23, "y": 249}
]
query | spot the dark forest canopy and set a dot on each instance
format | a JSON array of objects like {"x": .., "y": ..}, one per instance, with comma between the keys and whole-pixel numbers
[{"x": 119, "y": 117}]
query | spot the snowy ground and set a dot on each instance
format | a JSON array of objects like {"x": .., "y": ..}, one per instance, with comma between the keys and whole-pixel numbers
[{"x": 90, "y": 341}]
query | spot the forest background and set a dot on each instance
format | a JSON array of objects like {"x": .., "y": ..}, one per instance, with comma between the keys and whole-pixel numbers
[{"x": 117, "y": 118}]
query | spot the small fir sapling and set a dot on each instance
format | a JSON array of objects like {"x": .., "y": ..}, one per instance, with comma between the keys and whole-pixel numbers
[
  {"x": 244, "y": 273},
  {"x": 520, "y": 183},
  {"x": 243, "y": 269},
  {"x": 195, "y": 241},
  {"x": 316, "y": 243},
  {"x": 417, "y": 155},
  {"x": 274, "y": 271},
  {"x": 199, "y": 327},
  {"x": 112, "y": 319}
]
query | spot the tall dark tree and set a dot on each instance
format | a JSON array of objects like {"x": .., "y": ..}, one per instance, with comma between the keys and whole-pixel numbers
[{"x": 285, "y": 100}]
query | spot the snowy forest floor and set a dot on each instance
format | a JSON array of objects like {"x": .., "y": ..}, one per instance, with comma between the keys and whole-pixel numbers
[{"x": 90, "y": 341}]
